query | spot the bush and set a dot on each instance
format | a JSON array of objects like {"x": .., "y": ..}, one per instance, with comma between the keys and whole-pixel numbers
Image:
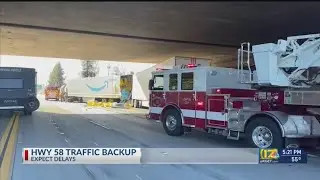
[
  {"x": 106, "y": 105},
  {"x": 99, "y": 104},
  {"x": 91, "y": 103}
]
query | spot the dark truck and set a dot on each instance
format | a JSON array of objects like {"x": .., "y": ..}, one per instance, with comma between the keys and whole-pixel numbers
[{"x": 18, "y": 89}]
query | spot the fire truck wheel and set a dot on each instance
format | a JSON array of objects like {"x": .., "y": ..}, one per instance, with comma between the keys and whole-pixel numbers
[
  {"x": 263, "y": 132},
  {"x": 172, "y": 123}
]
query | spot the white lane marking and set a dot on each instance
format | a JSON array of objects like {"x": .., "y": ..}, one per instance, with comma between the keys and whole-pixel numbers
[
  {"x": 77, "y": 129},
  {"x": 164, "y": 153},
  {"x": 99, "y": 125},
  {"x": 313, "y": 156},
  {"x": 66, "y": 140},
  {"x": 61, "y": 132},
  {"x": 95, "y": 144},
  {"x": 138, "y": 177}
]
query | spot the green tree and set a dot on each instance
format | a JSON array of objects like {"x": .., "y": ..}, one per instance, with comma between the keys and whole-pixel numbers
[
  {"x": 56, "y": 77},
  {"x": 89, "y": 68}
]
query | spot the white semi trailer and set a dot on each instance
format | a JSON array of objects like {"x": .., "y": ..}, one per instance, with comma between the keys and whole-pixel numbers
[
  {"x": 140, "y": 80},
  {"x": 98, "y": 88}
]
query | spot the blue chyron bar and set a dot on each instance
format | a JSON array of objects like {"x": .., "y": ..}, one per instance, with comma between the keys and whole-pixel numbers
[{"x": 289, "y": 155}]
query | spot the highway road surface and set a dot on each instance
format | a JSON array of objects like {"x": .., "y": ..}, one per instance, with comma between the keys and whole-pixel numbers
[{"x": 58, "y": 124}]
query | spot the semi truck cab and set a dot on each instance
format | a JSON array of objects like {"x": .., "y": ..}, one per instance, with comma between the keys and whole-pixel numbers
[
  {"x": 52, "y": 92},
  {"x": 18, "y": 89}
]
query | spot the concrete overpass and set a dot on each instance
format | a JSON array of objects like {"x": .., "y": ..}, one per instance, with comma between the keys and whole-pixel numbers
[{"x": 148, "y": 31}]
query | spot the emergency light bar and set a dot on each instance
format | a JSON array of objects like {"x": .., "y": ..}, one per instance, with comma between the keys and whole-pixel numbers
[
  {"x": 182, "y": 66},
  {"x": 191, "y": 65},
  {"x": 160, "y": 69},
  {"x": 186, "y": 66}
]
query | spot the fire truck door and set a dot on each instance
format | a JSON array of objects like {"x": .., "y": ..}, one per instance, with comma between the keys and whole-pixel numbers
[
  {"x": 172, "y": 95},
  {"x": 158, "y": 99},
  {"x": 187, "y": 97},
  {"x": 157, "y": 96}
]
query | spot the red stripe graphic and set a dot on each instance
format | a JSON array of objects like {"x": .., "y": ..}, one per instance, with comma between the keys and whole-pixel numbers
[{"x": 26, "y": 155}]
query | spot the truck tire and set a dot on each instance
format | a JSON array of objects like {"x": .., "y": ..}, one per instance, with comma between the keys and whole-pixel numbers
[
  {"x": 32, "y": 104},
  {"x": 263, "y": 132},
  {"x": 137, "y": 104},
  {"x": 134, "y": 103},
  {"x": 172, "y": 123}
]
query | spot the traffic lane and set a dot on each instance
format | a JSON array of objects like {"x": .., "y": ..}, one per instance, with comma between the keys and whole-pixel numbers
[
  {"x": 90, "y": 135},
  {"x": 314, "y": 152},
  {"x": 133, "y": 125},
  {"x": 38, "y": 131},
  {"x": 142, "y": 128},
  {"x": 139, "y": 128},
  {"x": 217, "y": 141},
  {"x": 81, "y": 133},
  {"x": 211, "y": 171},
  {"x": 139, "y": 114},
  {"x": 57, "y": 130},
  {"x": 49, "y": 130},
  {"x": 8, "y": 144},
  {"x": 5, "y": 117}
]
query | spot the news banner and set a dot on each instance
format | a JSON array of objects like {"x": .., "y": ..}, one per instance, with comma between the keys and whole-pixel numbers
[{"x": 162, "y": 156}]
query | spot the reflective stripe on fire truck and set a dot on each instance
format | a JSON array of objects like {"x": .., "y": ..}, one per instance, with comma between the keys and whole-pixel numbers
[{"x": 216, "y": 116}]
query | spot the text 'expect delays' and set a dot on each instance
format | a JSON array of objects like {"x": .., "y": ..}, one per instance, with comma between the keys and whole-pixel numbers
[{"x": 81, "y": 155}]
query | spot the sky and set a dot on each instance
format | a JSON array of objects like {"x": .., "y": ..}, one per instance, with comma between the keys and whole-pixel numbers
[{"x": 72, "y": 67}]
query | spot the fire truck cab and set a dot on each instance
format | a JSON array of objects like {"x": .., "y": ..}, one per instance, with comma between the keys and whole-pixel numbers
[{"x": 225, "y": 101}]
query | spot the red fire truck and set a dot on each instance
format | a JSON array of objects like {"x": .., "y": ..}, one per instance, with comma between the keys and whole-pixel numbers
[{"x": 272, "y": 99}]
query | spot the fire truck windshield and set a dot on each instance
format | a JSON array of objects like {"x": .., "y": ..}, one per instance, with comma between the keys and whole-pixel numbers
[
  {"x": 11, "y": 83},
  {"x": 158, "y": 82}
]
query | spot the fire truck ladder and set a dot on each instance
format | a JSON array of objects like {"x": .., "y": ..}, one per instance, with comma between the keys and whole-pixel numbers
[
  {"x": 245, "y": 63},
  {"x": 302, "y": 54},
  {"x": 294, "y": 62}
]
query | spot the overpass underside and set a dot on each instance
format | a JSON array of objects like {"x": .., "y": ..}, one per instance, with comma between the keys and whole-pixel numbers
[
  {"x": 148, "y": 32},
  {"x": 43, "y": 43}
]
